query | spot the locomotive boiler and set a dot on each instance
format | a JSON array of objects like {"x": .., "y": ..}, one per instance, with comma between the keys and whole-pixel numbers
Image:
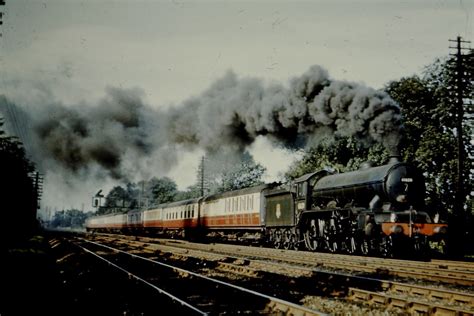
[{"x": 396, "y": 185}]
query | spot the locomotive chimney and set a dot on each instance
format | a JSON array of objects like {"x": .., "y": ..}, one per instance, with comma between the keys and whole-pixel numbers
[
  {"x": 394, "y": 156},
  {"x": 394, "y": 159}
]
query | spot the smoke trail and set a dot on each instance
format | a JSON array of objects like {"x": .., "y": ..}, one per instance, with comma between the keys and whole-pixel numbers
[
  {"x": 121, "y": 136},
  {"x": 233, "y": 112}
]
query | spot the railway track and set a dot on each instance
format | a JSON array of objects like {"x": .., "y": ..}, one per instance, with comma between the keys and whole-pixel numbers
[
  {"x": 195, "y": 292},
  {"x": 411, "y": 298},
  {"x": 417, "y": 300},
  {"x": 449, "y": 272}
]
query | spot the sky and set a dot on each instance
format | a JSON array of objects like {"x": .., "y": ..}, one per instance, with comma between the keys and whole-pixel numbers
[{"x": 73, "y": 51}]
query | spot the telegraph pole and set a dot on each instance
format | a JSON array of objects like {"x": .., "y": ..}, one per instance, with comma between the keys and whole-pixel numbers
[
  {"x": 202, "y": 176},
  {"x": 461, "y": 84}
]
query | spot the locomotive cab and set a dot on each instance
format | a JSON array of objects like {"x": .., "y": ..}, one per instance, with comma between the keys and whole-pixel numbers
[{"x": 304, "y": 188}]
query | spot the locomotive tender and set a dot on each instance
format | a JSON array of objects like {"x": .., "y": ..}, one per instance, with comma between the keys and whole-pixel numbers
[{"x": 373, "y": 210}]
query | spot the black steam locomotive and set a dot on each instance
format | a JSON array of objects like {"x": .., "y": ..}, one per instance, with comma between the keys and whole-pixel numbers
[{"x": 374, "y": 210}]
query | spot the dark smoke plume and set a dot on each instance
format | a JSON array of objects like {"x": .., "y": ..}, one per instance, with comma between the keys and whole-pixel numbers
[
  {"x": 233, "y": 112},
  {"x": 122, "y": 136},
  {"x": 77, "y": 137}
]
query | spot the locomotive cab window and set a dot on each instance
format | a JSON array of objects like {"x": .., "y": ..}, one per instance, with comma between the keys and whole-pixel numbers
[{"x": 301, "y": 189}]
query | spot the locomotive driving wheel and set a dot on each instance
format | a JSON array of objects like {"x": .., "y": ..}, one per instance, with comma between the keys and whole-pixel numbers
[
  {"x": 351, "y": 245},
  {"x": 311, "y": 236},
  {"x": 290, "y": 241},
  {"x": 287, "y": 239},
  {"x": 277, "y": 239},
  {"x": 365, "y": 247},
  {"x": 332, "y": 245},
  {"x": 387, "y": 247},
  {"x": 331, "y": 239}
]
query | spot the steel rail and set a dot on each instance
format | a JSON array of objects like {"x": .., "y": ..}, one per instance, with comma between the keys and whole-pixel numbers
[
  {"x": 276, "y": 302},
  {"x": 462, "y": 297},
  {"x": 435, "y": 293},
  {"x": 370, "y": 265},
  {"x": 161, "y": 291},
  {"x": 408, "y": 304},
  {"x": 327, "y": 261}
]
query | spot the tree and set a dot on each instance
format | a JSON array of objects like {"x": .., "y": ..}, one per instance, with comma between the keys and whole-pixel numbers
[
  {"x": 428, "y": 107},
  {"x": 245, "y": 175},
  {"x": 192, "y": 192},
  {"x": 117, "y": 200},
  {"x": 161, "y": 190},
  {"x": 139, "y": 195},
  {"x": 341, "y": 155},
  {"x": 72, "y": 218},
  {"x": 221, "y": 172},
  {"x": 18, "y": 192},
  {"x": 234, "y": 176}
]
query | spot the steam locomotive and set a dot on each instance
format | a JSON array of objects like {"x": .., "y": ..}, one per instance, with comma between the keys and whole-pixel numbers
[{"x": 372, "y": 211}]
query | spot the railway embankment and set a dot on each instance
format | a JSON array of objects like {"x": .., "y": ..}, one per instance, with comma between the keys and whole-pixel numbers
[
  {"x": 47, "y": 275},
  {"x": 30, "y": 279},
  {"x": 52, "y": 274}
]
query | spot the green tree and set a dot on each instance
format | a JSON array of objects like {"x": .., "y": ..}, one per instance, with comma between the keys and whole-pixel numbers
[
  {"x": 117, "y": 200},
  {"x": 18, "y": 192},
  {"x": 161, "y": 190},
  {"x": 429, "y": 105},
  {"x": 72, "y": 218},
  {"x": 429, "y": 108},
  {"x": 191, "y": 192},
  {"x": 341, "y": 155},
  {"x": 243, "y": 174}
]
